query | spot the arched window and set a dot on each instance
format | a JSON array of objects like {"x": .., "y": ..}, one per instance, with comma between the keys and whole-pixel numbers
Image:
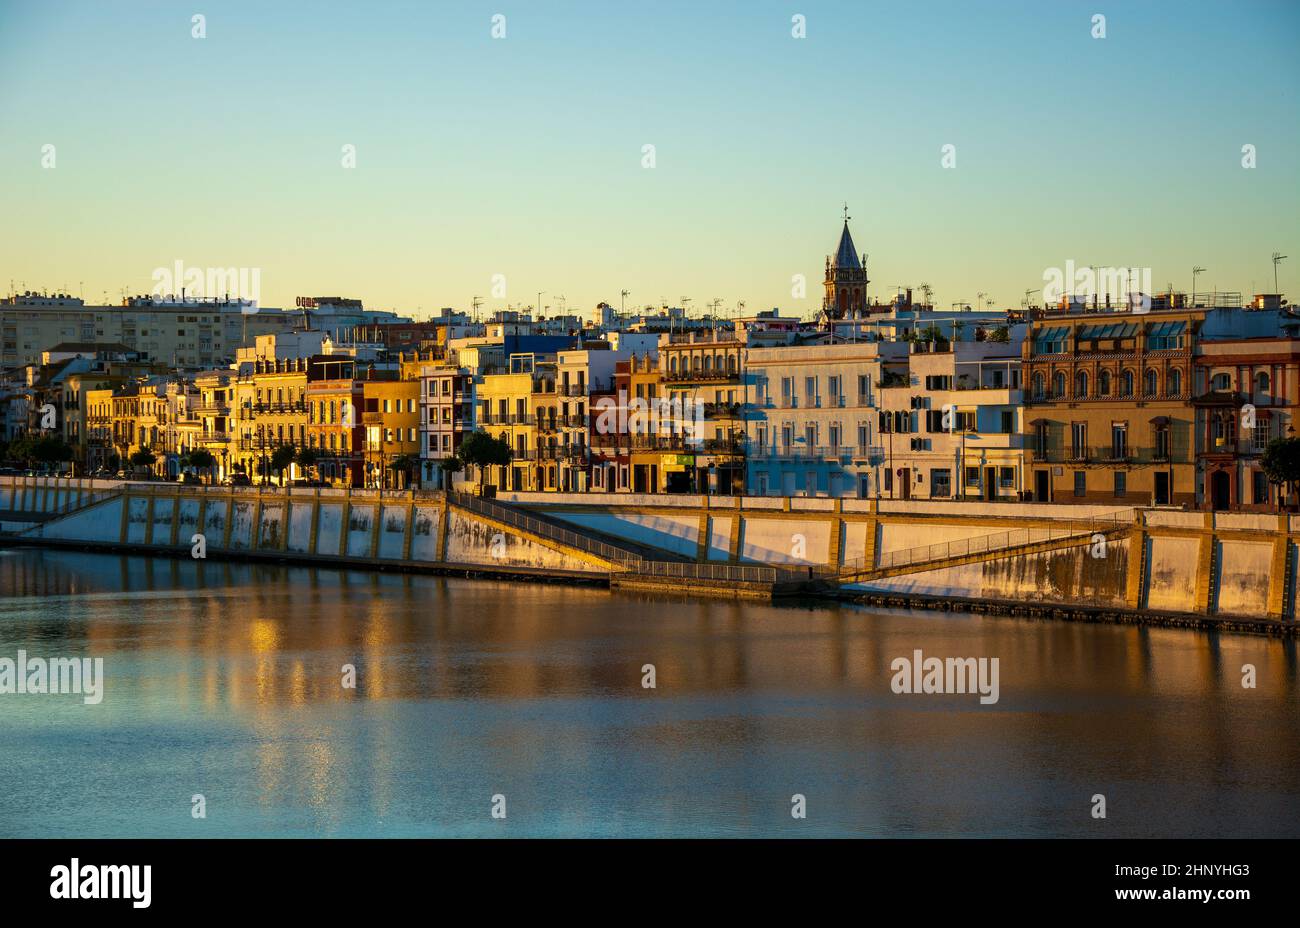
[
  {"x": 708, "y": 363},
  {"x": 1081, "y": 384},
  {"x": 1220, "y": 382},
  {"x": 1040, "y": 385},
  {"x": 1058, "y": 384},
  {"x": 1126, "y": 384},
  {"x": 1150, "y": 382},
  {"x": 1103, "y": 383},
  {"x": 672, "y": 365},
  {"x": 1175, "y": 383},
  {"x": 1261, "y": 382}
]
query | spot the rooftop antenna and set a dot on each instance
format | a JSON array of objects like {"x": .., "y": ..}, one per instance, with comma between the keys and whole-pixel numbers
[
  {"x": 1277, "y": 259},
  {"x": 1024, "y": 304},
  {"x": 1197, "y": 269},
  {"x": 622, "y": 301},
  {"x": 475, "y": 302}
]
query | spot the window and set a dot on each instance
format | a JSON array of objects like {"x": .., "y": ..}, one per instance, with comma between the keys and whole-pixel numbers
[
  {"x": 1261, "y": 434},
  {"x": 1150, "y": 383},
  {"x": 1126, "y": 384},
  {"x": 1007, "y": 478},
  {"x": 1007, "y": 421},
  {"x": 940, "y": 482},
  {"x": 1081, "y": 384},
  {"x": 1080, "y": 483},
  {"x": 1161, "y": 436},
  {"x": 1174, "y": 383},
  {"x": 972, "y": 476},
  {"x": 1165, "y": 336},
  {"x": 1058, "y": 385},
  {"x": 1261, "y": 382},
  {"x": 1119, "y": 440},
  {"x": 1079, "y": 441},
  {"x": 1121, "y": 483},
  {"x": 1221, "y": 382},
  {"x": 1051, "y": 341},
  {"x": 1259, "y": 481},
  {"x": 833, "y": 389},
  {"x": 1040, "y": 390},
  {"x": 1103, "y": 383}
]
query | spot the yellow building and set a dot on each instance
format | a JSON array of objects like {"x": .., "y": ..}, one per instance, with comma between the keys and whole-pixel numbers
[
  {"x": 270, "y": 412},
  {"x": 216, "y": 394},
  {"x": 508, "y": 404},
  {"x": 391, "y": 420}
]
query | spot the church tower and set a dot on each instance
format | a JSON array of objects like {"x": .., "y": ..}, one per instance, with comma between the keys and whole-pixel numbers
[{"x": 846, "y": 279}]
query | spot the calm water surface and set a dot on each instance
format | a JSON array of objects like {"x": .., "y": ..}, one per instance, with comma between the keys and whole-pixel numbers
[{"x": 225, "y": 680}]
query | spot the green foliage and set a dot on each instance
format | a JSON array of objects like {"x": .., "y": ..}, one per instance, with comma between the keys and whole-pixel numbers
[
  {"x": 481, "y": 450},
  {"x": 1281, "y": 462}
]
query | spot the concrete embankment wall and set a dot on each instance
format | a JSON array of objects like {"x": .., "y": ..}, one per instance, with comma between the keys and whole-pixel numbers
[
  {"x": 354, "y": 526},
  {"x": 1231, "y": 564},
  {"x": 1241, "y": 564}
]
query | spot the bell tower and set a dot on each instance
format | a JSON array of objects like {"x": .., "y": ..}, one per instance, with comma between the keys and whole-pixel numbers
[{"x": 846, "y": 278}]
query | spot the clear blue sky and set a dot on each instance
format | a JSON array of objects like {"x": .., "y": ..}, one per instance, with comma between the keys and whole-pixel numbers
[{"x": 522, "y": 156}]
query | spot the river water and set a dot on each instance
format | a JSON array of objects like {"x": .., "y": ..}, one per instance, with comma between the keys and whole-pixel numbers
[{"x": 225, "y": 681}]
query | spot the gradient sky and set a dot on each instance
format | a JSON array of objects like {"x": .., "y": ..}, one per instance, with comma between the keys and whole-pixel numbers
[{"x": 522, "y": 156}]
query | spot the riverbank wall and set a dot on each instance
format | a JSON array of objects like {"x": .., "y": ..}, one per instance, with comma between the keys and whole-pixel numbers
[{"x": 1112, "y": 560}]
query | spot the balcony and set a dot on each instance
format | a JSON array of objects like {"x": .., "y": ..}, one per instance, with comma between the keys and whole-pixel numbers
[
  {"x": 723, "y": 410},
  {"x": 702, "y": 376}
]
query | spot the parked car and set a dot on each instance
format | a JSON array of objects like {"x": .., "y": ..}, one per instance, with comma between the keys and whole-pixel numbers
[
  {"x": 237, "y": 480},
  {"x": 189, "y": 479}
]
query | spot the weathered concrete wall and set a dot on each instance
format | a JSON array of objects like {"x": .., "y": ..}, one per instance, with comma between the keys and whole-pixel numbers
[
  {"x": 775, "y": 540},
  {"x": 330, "y": 529},
  {"x": 470, "y": 541},
  {"x": 1243, "y": 578},
  {"x": 300, "y": 518},
  {"x": 679, "y": 534},
  {"x": 1069, "y": 575},
  {"x": 1172, "y": 573},
  {"x": 364, "y": 527}
]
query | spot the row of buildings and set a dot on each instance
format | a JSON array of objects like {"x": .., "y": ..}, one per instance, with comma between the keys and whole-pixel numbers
[{"x": 1073, "y": 403}]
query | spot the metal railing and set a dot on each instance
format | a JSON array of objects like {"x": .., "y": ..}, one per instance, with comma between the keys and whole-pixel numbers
[
  {"x": 987, "y": 544},
  {"x": 511, "y": 516},
  {"x": 727, "y": 573}
]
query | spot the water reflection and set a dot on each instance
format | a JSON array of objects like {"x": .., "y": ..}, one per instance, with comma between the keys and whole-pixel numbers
[{"x": 226, "y": 679}]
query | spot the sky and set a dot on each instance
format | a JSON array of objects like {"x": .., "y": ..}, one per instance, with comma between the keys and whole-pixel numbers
[{"x": 499, "y": 167}]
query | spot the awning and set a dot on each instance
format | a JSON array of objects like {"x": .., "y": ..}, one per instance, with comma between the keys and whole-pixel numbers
[
  {"x": 1110, "y": 330},
  {"x": 1160, "y": 420}
]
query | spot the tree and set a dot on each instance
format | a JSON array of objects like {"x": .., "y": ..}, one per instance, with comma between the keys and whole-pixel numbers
[
  {"x": 202, "y": 459},
  {"x": 142, "y": 457},
  {"x": 481, "y": 450},
  {"x": 46, "y": 450},
  {"x": 307, "y": 458},
  {"x": 1281, "y": 463},
  {"x": 1000, "y": 334},
  {"x": 404, "y": 464},
  {"x": 281, "y": 458}
]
